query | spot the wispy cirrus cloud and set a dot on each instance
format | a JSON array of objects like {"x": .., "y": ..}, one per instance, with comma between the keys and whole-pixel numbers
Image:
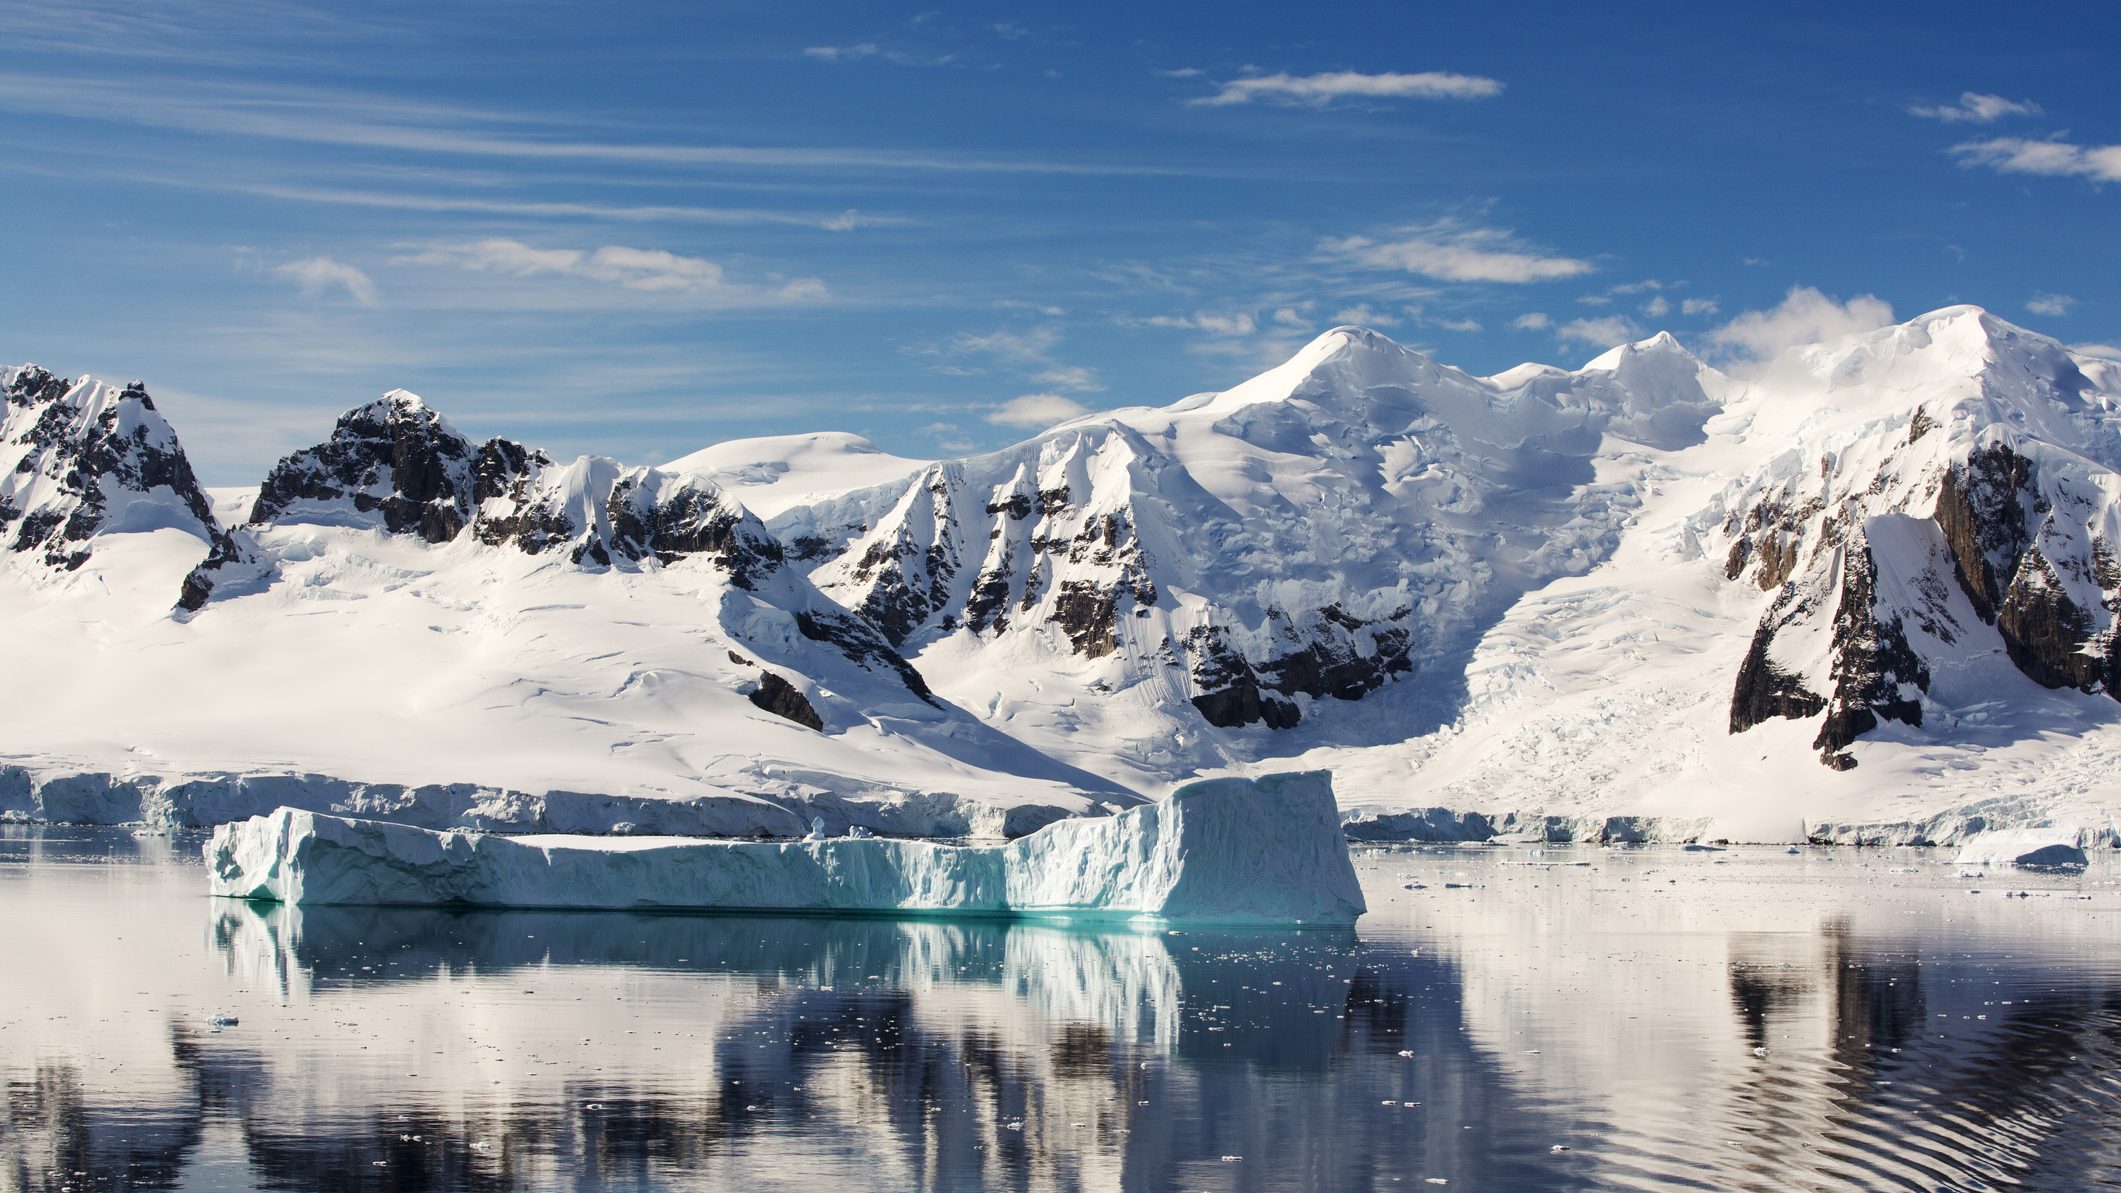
[
  {"x": 1234, "y": 323},
  {"x": 629, "y": 268},
  {"x": 2023, "y": 155},
  {"x": 868, "y": 49},
  {"x": 1320, "y": 90},
  {"x": 1976, "y": 108},
  {"x": 1452, "y": 251},
  {"x": 319, "y": 116},
  {"x": 319, "y": 276},
  {"x": 1028, "y": 353}
]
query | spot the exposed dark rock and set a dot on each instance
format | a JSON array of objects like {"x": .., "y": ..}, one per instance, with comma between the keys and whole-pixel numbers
[
  {"x": 1765, "y": 690},
  {"x": 1985, "y": 508},
  {"x": 1229, "y": 692},
  {"x": 1087, "y": 613},
  {"x": 1873, "y": 665},
  {"x": 861, "y": 642},
  {"x": 88, "y": 441},
  {"x": 782, "y": 699},
  {"x": 2044, "y": 632},
  {"x": 394, "y": 458}
]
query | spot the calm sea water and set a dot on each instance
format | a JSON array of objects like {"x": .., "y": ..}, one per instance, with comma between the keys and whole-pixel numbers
[{"x": 1653, "y": 1019}]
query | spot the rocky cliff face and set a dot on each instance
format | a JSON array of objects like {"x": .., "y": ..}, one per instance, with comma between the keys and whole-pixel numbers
[
  {"x": 1974, "y": 510},
  {"x": 82, "y": 459}
]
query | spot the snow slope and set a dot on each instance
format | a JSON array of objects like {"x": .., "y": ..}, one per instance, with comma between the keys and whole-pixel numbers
[{"x": 773, "y": 473}]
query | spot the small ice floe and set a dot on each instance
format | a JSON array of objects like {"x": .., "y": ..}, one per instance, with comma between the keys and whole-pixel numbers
[
  {"x": 480, "y": 1145},
  {"x": 1407, "y": 1053},
  {"x": 1233, "y": 1159},
  {"x": 222, "y": 1019},
  {"x": 1559, "y": 1148},
  {"x": 1793, "y": 851},
  {"x": 1760, "y": 1051},
  {"x": 1698, "y": 847}
]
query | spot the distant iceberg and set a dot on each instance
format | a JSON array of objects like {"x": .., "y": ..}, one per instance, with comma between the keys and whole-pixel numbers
[
  {"x": 2027, "y": 849},
  {"x": 1234, "y": 851}
]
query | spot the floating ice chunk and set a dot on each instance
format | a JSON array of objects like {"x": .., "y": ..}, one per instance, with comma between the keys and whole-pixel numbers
[
  {"x": 1265, "y": 850},
  {"x": 224, "y": 1019},
  {"x": 817, "y": 829},
  {"x": 2031, "y": 849}
]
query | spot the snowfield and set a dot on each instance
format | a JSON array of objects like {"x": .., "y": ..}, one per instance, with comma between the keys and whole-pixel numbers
[{"x": 1867, "y": 595}]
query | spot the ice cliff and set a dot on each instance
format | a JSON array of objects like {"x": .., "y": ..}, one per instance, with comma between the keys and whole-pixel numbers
[{"x": 1265, "y": 850}]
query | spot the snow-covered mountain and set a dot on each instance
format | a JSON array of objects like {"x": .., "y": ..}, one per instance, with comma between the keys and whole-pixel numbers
[
  {"x": 1640, "y": 596},
  {"x": 412, "y": 624},
  {"x": 1163, "y": 589}
]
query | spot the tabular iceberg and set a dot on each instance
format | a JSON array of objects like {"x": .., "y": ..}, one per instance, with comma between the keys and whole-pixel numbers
[
  {"x": 2027, "y": 849},
  {"x": 1266, "y": 850}
]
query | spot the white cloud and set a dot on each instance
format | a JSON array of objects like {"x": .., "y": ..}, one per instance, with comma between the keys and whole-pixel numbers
[
  {"x": 1318, "y": 90},
  {"x": 1362, "y": 314},
  {"x": 1532, "y": 321},
  {"x": 647, "y": 270},
  {"x": 1028, "y": 353},
  {"x": 2056, "y": 305},
  {"x": 869, "y": 49},
  {"x": 1458, "y": 325},
  {"x": 1070, "y": 377},
  {"x": 318, "y": 276},
  {"x": 1017, "y": 347},
  {"x": 1603, "y": 332},
  {"x": 1292, "y": 317},
  {"x": 1975, "y": 108},
  {"x": 866, "y": 49},
  {"x": 1805, "y": 316},
  {"x": 1237, "y": 324},
  {"x": 1451, "y": 251},
  {"x": 1036, "y": 410},
  {"x": 1697, "y": 306},
  {"x": 1657, "y": 308},
  {"x": 2022, "y": 155}
]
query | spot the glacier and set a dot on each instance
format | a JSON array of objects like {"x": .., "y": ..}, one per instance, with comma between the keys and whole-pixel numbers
[{"x": 1232, "y": 851}]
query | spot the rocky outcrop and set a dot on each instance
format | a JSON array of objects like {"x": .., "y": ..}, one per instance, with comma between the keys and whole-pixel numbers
[
  {"x": 783, "y": 699},
  {"x": 1977, "y": 519},
  {"x": 2020, "y": 558},
  {"x": 392, "y": 463},
  {"x": 81, "y": 459}
]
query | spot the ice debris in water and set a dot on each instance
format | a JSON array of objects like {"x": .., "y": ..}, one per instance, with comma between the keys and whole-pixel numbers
[{"x": 221, "y": 1020}]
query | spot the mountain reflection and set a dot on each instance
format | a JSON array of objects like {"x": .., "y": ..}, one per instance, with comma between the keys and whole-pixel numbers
[{"x": 404, "y": 1049}]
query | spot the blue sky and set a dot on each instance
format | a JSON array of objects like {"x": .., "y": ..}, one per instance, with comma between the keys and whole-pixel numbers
[{"x": 641, "y": 229}]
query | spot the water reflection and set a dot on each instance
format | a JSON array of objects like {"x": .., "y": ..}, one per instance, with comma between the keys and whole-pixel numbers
[{"x": 1491, "y": 1043}]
